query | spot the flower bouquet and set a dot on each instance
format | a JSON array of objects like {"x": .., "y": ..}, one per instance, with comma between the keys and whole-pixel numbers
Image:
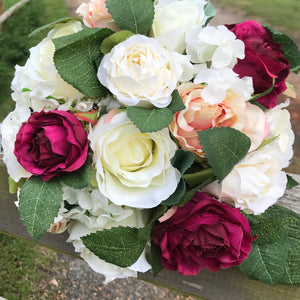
[{"x": 140, "y": 130}]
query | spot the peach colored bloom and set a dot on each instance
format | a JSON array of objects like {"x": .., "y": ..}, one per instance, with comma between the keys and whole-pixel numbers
[
  {"x": 94, "y": 14},
  {"x": 199, "y": 115}
]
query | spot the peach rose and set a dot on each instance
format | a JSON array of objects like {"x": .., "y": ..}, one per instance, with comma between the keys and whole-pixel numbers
[{"x": 199, "y": 115}]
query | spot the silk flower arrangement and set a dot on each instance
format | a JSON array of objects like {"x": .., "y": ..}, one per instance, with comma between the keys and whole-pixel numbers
[{"x": 140, "y": 128}]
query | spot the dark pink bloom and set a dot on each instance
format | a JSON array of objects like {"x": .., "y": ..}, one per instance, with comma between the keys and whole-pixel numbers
[
  {"x": 263, "y": 60},
  {"x": 51, "y": 143},
  {"x": 204, "y": 233}
]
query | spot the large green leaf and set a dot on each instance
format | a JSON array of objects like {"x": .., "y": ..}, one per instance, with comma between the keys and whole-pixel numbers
[
  {"x": 77, "y": 58},
  {"x": 134, "y": 15},
  {"x": 39, "y": 204},
  {"x": 224, "y": 147},
  {"x": 114, "y": 40},
  {"x": 275, "y": 254},
  {"x": 121, "y": 246},
  {"x": 150, "y": 119}
]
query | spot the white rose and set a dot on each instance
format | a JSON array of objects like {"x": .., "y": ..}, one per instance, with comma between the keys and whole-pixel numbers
[
  {"x": 102, "y": 215},
  {"x": 9, "y": 129},
  {"x": 133, "y": 168},
  {"x": 173, "y": 18},
  {"x": 139, "y": 72},
  {"x": 216, "y": 44},
  {"x": 280, "y": 127},
  {"x": 38, "y": 78},
  {"x": 254, "y": 184}
]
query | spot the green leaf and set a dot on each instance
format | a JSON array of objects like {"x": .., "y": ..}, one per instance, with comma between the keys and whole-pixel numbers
[
  {"x": 156, "y": 264},
  {"x": 182, "y": 160},
  {"x": 51, "y": 25},
  {"x": 121, "y": 246},
  {"x": 80, "y": 178},
  {"x": 114, "y": 40},
  {"x": 150, "y": 120},
  {"x": 224, "y": 147},
  {"x": 209, "y": 11},
  {"x": 266, "y": 142},
  {"x": 177, "y": 195},
  {"x": 266, "y": 263},
  {"x": 275, "y": 255},
  {"x": 39, "y": 204},
  {"x": 77, "y": 57},
  {"x": 176, "y": 103},
  {"x": 289, "y": 48},
  {"x": 291, "y": 182},
  {"x": 134, "y": 15}
]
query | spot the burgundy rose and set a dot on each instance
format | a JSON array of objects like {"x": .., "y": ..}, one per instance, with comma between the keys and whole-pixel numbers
[
  {"x": 204, "y": 233},
  {"x": 51, "y": 143},
  {"x": 263, "y": 60}
]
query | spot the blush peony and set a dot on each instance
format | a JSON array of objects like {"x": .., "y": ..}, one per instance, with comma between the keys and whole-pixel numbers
[
  {"x": 204, "y": 233},
  {"x": 199, "y": 115}
]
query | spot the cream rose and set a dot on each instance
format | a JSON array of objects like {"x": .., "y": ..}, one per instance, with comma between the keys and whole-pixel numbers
[
  {"x": 139, "y": 72},
  {"x": 133, "y": 168},
  {"x": 173, "y": 18},
  {"x": 38, "y": 78},
  {"x": 200, "y": 115},
  {"x": 254, "y": 184}
]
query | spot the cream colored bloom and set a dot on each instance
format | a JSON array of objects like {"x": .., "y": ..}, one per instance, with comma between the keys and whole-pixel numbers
[
  {"x": 133, "y": 168},
  {"x": 173, "y": 18},
  {"x": 139, "y": 72}
]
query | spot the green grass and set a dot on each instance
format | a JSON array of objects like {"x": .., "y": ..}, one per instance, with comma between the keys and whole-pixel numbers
[
  {"x": 282, "y": 15},
  {"x": 25, "y": 270}
]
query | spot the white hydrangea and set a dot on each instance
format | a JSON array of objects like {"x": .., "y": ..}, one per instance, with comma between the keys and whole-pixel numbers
[
  {"x": 217, "y": 45},
  {"x": 219, "y": 81},
  {"x": 94, "y": 213}
]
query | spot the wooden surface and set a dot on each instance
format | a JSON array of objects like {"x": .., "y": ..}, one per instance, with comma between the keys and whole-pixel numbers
[{"x": 229, "y": 284}]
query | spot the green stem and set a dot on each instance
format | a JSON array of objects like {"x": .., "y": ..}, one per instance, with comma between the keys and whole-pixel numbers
[{"x": 197, "y": 178}]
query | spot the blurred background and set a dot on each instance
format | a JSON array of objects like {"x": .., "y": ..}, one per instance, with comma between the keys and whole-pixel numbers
[{"x": 28, "y": 271}]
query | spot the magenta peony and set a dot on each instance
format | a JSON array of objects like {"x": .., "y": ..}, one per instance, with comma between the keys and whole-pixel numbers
[
  {"x": 263, "y": 60},
  {"x": 51, "y": 143},
  {"x": 204, "y": 233}
]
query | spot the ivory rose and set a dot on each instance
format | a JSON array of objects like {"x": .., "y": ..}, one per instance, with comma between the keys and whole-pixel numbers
[
  {"x": 38, "y": 78},
  {"x": 133, "y": 168},
  {"x": 173, "y": 18},
  {"x": 139, "y": 72},
  {"x": 199, "y": 115},
  {"x": 258, "y": 181},
  {"x": 95, "y": 14}
]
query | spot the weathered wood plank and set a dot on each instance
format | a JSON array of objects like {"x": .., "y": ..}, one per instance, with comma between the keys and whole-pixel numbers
[{"x": 223, "y": 285}]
